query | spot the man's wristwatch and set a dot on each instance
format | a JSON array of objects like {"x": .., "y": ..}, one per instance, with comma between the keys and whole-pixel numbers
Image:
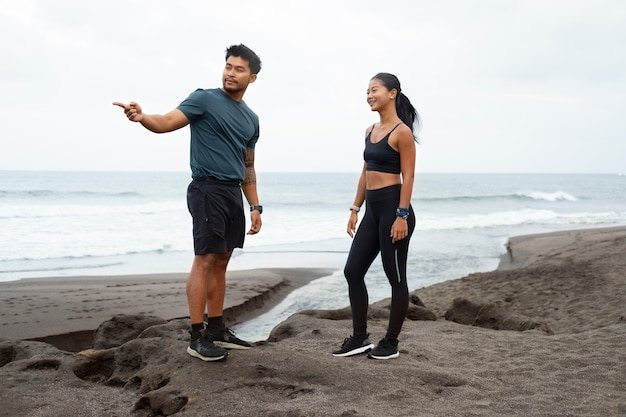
[{"x": 260, "y": 208}]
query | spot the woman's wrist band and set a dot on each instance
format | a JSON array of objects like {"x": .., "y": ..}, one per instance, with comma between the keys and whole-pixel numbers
[
  {"x": 355, "y": 208},
  {"x": 402, "y": 212}
]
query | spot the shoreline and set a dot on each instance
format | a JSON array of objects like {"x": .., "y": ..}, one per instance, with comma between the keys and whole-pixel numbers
[
  {"x": 56, "y": 309},
  {"x": 53, "y": 308}
]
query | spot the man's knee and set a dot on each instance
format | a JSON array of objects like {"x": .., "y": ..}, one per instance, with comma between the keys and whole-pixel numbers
[{"x": 213, "y": 260}]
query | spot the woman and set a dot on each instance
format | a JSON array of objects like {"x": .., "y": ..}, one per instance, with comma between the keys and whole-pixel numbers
[{"x": 385, "y": 185}]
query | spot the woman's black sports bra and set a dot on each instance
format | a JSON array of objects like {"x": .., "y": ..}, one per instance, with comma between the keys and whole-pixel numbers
[{"x": 380, "y": 156}]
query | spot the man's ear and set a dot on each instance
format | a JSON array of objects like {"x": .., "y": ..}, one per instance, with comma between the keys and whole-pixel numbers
[{"x": 252, "y": 78}]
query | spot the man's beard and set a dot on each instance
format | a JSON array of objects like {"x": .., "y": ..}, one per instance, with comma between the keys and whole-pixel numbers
[{"x": 232, "y": 89}]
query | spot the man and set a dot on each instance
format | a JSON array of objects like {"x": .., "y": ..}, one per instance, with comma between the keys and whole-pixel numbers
[{"x": 224, "y": 132}]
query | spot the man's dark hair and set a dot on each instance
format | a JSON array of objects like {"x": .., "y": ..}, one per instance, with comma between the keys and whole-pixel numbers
[{"x": 246, "y": 53}]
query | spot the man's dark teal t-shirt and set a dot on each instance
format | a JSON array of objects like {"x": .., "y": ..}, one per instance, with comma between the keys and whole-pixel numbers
[{"x": 221, "y": 130}]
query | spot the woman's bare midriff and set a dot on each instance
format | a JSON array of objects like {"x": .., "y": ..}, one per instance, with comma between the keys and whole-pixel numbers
[{"x": 375, "y": 180}]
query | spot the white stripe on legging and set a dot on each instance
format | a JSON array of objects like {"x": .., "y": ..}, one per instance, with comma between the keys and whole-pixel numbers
[{"x": 395, "y": 255}]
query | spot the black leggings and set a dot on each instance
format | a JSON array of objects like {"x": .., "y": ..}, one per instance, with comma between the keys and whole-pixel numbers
[{"x": 372, "y": 237}]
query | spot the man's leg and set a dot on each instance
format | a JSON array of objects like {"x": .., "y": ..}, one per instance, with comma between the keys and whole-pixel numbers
[
  {"x": 216, "y": 293},
  {"x": 201, "y": 346},
  {"x": 198, "y": 286},
  {"x": 216, "y": 288}
]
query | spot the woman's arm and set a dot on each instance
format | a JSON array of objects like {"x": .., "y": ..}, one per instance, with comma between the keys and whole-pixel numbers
[
  {"x": 406, "y": 147},
  {"x": 359, "y": 198}
]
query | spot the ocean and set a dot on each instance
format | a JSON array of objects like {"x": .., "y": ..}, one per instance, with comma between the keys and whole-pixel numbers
[{"x": 108, "y": 223}]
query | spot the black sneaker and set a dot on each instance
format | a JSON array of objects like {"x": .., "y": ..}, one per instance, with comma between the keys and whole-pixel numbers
[
  {"x": 354, "y": 345},
  {"x": 386, "y": 349},
  {"x": 226, "y": 339},
  {"x": 203, "y": 348}
]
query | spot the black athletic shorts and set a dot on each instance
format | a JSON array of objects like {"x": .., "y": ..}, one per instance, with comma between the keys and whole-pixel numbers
[{"x": 216, "y": 208}]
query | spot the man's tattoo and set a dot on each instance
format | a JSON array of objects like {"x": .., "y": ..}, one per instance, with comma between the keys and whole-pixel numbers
[{"x": 250, "y": 177}]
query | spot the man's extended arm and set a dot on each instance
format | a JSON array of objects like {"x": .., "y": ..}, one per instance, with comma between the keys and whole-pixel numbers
[{"x": 158, "y": 123}]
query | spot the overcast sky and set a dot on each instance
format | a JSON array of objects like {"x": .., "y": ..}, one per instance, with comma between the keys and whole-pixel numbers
[{"x": 502, "y": 86}]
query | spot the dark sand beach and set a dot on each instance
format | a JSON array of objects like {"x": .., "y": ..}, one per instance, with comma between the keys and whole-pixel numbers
[
  {"x": 543, "y": 335},
  {"x": 67, "y": 310}
]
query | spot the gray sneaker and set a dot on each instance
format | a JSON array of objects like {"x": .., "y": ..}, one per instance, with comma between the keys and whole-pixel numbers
[{"x": 203, "y": 348}]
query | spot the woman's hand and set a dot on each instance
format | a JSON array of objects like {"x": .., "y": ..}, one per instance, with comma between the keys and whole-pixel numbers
[
  {"x": 399, "y": 229},
  {"x": 354, "y": 217}
]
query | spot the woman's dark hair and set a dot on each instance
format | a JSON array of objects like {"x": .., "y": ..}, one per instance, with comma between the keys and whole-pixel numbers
[
  {"x": 404, "y": 108},
  {"x": 246, "y": 53}
]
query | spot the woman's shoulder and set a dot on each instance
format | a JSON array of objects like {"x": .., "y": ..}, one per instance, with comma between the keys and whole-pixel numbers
[
  {"x": 369, "y": 129},
  {"x": 402, "y": 133},
  {"x": 401, "y": 130}
]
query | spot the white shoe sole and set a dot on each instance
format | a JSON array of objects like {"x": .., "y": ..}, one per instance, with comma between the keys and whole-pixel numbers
[
  {"x": 395, "y": 355},
  {"x": 355, "y": 351}
]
